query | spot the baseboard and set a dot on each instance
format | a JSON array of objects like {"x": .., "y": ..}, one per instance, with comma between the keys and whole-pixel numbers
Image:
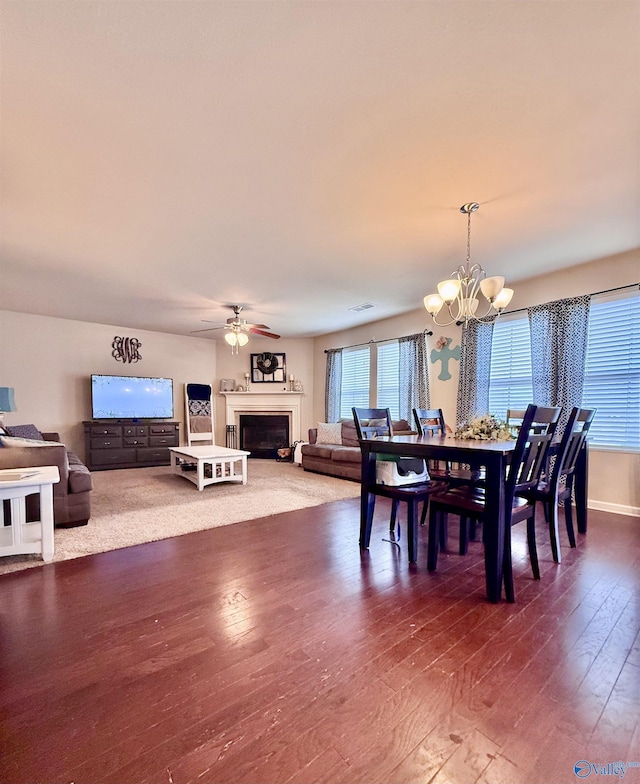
[{"x": 605, "y": 506}]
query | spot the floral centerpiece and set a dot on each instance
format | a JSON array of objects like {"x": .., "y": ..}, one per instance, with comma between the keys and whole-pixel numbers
[{"x": 485, "y": 428}]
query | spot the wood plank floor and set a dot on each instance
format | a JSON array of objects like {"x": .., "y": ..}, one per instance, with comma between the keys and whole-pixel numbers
[{"x": 272, "y": 651}]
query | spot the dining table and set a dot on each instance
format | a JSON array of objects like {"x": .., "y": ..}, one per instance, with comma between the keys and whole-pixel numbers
[{"x": 494, "y": 456}]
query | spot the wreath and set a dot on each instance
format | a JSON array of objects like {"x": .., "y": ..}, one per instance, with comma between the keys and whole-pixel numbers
[{"x": 267, "y": 363}]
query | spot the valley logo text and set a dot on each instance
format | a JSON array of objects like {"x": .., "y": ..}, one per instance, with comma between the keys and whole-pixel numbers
[{"x": 582, "y": 768}]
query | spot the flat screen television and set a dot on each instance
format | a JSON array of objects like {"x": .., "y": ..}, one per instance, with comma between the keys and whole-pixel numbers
[{"x": 131, "y": 397}]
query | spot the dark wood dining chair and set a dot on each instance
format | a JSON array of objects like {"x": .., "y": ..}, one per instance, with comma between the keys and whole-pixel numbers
[
  {"x": 557, "y": 487},
  {"x": 374, "y": 423},
  {"x": 431, "y": 422},
  {"x": 528, "y": 461}
]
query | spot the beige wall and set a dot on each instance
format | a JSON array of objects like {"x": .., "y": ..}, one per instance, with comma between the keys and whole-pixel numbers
[
  {"x": 49, "y": 362},
  {"x": 299, "y": 362},
  {"x": 614, "y": 483}
]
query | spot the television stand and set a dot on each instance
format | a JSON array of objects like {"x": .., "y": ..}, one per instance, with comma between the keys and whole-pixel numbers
[{"x": 117, "y": 444}]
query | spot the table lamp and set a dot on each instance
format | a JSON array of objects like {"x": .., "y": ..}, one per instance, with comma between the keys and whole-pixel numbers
[{"x": 7, "y": 402}]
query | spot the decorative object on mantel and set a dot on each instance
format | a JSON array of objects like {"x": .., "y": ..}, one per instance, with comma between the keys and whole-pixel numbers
[
  {"x": 443, "y": 354},
  {"x": 7, "y": 402},
  {"x": 268, "y": 368},
  {"x": 459, "y": 293},
  {"x": 246, "y": 378},
  {"x": 485, "y": 428},
  {"x": 297, "y": 386},
  {"x": 126, "y": 349},
  {"x": 227, "y": 384}
]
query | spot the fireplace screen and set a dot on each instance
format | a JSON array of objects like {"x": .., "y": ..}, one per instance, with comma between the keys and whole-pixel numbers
[{"x": 264, "y": 434}]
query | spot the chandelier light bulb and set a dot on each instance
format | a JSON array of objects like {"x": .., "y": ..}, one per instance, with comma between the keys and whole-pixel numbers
[
  {"x": 503, "y": 299},
  {"x": 243, "y": 339},
  {"x": 231, "y": 338},
  {"x": 433, "y": 303}
]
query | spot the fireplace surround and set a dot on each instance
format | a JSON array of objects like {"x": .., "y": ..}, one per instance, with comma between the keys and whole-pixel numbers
[{"x": 285, "y": 404}]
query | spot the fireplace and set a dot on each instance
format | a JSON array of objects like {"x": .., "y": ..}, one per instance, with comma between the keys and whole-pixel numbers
[{"x": 264, "y": 434}]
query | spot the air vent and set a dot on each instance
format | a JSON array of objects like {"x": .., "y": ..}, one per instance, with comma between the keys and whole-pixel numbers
[{"x": 364, "y": 306}]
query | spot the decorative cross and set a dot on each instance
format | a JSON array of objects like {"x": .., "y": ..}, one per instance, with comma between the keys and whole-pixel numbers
[{"x": 444, "y": 354}]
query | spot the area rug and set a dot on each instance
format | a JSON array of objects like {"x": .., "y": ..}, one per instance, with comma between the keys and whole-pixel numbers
[{"x": 133, "y": 506}]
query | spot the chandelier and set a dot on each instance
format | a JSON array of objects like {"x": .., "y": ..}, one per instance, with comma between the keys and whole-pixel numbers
[{"x": 457, "y": 297}]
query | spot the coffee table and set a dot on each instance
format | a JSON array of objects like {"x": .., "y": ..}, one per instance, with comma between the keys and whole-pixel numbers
[
  {"x": 210, "y": 464},
  {"x": 23, "y": 537}
]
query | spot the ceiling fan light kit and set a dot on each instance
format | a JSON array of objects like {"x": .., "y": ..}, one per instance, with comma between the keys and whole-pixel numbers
[
  {"x": 457, "y": 296},
  {"x": 238, "y": 330}
]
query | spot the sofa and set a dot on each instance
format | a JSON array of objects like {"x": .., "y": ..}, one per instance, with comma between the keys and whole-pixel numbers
[
  {"x": 343, "y": 460},
  {"x": 71, "y": 495}
]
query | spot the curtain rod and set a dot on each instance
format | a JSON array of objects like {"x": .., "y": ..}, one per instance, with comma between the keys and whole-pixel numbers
[
  {"x": 593, "y": 294},
  {"x": 517, "y": 310},
  {"x": 372, "y": 342}
]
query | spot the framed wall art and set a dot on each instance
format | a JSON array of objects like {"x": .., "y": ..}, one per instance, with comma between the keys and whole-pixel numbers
[{"x": 268, "y": 368}]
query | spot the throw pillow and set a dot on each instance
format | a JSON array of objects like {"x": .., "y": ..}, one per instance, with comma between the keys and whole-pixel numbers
[
  {"x": 329, "y": 433},
  {"x": 25, "y": 431},
  {"x": 14, "y": 441}
]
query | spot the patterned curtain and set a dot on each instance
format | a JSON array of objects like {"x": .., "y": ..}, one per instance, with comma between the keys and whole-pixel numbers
[
  {"x": 413, "y": 374},
  {"x": 475, "y": 366},
  {"x": 559, "y": 332},
  {"x": 333, "y": 385}
]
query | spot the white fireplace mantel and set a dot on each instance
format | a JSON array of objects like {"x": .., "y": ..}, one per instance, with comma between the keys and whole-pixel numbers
[{"x": 265, "y": 403}]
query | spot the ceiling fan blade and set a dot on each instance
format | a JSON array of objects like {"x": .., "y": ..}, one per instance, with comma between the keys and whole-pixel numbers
[
  {"x": 207, "y": 329},
  {"x": 262, "y": 332},
  {"x": 258, "y": 326}
]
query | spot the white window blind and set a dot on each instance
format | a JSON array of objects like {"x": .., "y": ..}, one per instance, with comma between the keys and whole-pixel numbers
[
  {"x": 388, "y": 382},
  {"x": 612, "y": 373},
  {"x": 355, "y": 380},
  {"x": 510, "y": 384}
]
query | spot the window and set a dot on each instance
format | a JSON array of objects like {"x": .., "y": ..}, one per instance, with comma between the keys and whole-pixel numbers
[
  {"x": 355, "y": 380},
  {"x": 389, "y": 378},
  {"x": 510, "y": 385},
  {"x": 357, "y": 389},
  {"x": 612, "y": 373}
]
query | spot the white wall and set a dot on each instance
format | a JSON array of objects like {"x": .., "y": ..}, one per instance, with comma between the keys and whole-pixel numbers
[
  {"x": 49, "y": 362},
  {"x": 614, "y": 478}
]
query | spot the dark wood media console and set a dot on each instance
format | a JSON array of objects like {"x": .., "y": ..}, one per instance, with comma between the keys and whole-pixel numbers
[{"x": 129, "y": 444}]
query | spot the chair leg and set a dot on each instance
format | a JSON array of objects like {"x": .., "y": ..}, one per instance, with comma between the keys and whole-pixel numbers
[
  {"x": 425, "y": 509},
  {"x": 553, "y": 531},
  {"x": 412, "y": 530},
  {"x": 433, "y": 541},
  {"x": 443, "y": 529},
  {"x": 395, "y": 503},
  {"x": 568, "y": 517},
  {"x": 473, "y": 528},
  {"x": 531, "y": 542},
  {"x": 507, "y": 568},
  {"x": 464, "y": 535}
]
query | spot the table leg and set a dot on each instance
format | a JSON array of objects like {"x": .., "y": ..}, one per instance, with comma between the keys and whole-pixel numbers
[
  {"x": 200, "y": 475},
  {"x": 46, "y": 521},
  {"x": 494, "y": 528},
  {"x": 244, "y": 469}
]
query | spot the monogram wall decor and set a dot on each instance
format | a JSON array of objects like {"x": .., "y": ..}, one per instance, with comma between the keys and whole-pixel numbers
[{"x": 126, "y": 349}]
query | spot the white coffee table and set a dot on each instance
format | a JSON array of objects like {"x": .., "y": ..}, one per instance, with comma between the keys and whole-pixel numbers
[
  {"x": 212, "y": 464},
  {"x": 23, "y": 537}
]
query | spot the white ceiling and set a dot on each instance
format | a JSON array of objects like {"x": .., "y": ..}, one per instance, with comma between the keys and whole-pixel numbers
[{"x": 162, "y": 160}]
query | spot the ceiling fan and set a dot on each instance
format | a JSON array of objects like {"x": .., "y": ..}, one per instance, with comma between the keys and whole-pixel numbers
[{"x": 237, "y": 329}]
